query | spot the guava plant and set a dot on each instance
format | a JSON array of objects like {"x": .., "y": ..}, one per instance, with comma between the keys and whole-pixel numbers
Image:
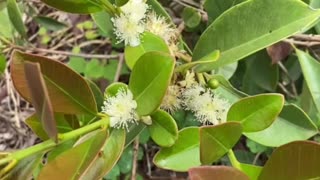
[{"x": 85, "y": 131}]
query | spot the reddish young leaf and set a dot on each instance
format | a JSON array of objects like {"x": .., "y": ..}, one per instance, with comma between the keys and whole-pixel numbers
[
  {"x": 68, "y": 91},
  {"x": 279, "y": 51},
  {"x": 296, "y": 160},
  {"x": 216, "y": 172},
  {"x": 40, "y": 98},
  {"x": 74, "y": 162}
]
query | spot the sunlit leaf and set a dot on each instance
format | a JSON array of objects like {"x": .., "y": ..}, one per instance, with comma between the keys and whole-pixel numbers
[{"x": 241, "y": 31}]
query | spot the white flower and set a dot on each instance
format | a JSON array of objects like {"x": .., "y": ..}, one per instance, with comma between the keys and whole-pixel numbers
[
  {"x": 121, "y": 108},
  {"x": 159, "y": 26},
  {"x": 207, "y": 107},
  {"x": 129, "y": 25},
  {"x": 127, "y": 30},
  {"x": 171, "y": 101},
  {"x": 135, "y": 10},
  {"x": 189, "y": 80}
]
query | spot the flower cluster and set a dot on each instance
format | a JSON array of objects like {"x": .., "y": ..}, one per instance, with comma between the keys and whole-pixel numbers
[
  {"x": 129, "y": 25},
  {"x": 135, "y": 19},
  {"x": 121, "y": 109},
  {"x": 208, "y": 108}
]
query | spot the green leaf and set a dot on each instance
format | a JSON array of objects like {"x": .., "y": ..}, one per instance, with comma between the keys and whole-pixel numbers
[
  {"x": 3, "y": 63},
  {"x": 49, "y": 23},
  {"x": 5, "y": 22},
  {"x": 183, "y": 155},
  {"x": 23, "y": 170},
  {"x": 36, "y": 125},
  {"x": 255, "y": 29},
  {"x": 94, "y": 69},
  {"x": 68, "y": 91},
  {"x": 103, "y": 21},
  {"x": 291, "y": 125},
  {"x": 75, "y": 6},
  {"x": 40, "y": 99},
  {"x": 98, "y": 96},
  {"x": 16, "y": 17},
  {"x": 215, "y": 8},
  {"x": 316, "y": 4},
  {"x": 256, "y": 113},
  {"x": 216, "y": 141},
  {"x": 216, "y": 172},
  {"x": 251, "y": 171},
  {"x": 191, "y": 17},
  {"x": 134, "y": 131},
  {"x": 163, "y": 130},
  {"x": 297, "y": 160},
  {"x": 149, "y": 80},
  {"x": 260, "y": 72},
  {"x": 311, "y": 70},
  {"x": 255, "y": 147},
  {"x": 112, "y": 151},
  {"x": 211, "y": 57},
  {"x": 121, "y": 2},
  {"x": 73, "y": 163},
  {"x": 149, "y": 42}
]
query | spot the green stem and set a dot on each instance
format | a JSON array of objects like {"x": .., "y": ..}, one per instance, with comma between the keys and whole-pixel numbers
[
  {"x": 234, "y": 162},
  {"x": 200, "y": 78},
  {"x": 49, "y": 144}
]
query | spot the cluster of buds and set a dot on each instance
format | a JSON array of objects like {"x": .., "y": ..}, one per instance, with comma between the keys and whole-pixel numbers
[{"x": 208, "y": 107}]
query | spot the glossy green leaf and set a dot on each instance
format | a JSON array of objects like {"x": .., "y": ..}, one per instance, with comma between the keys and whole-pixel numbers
[
  {"x": 216, "y": 141},
  {"x": 68, "y": 91},
  {"x": 163, "y": 130},
  {"x": 211, "y": 57},
  {"x": 149, "y": 80},
  {"x": 49, "y": 23},
  {"x": 40, "y": 99},
  {"x": 297, "y": 160},
  {"x": 215, "y": 8},
  {"x": 121, "y": 2},
  {"x": 113, "y": 89},
  {"x": 183, "y": 155},
  {"x": 256, "y": 113},
  {"x": 291, "y": 125},
  {"x": 216, "y": 172},
  {"x": 16, "y": 17},
  {"x": 191, "y": 17},
  {"x": 251, "y": 171},
  {"x": 107, "y": 160},
  {"x": 103, "y": 21},
  {"x": 256, "y": 29},
  {"x": 311, "y": 70},
  {"x": 75, "y": 6},
  {"x": 133, "y": 132},
  {"x": 149, "y": 42},
  {"x": 73, "y": 163},
  {"x": 316, "y": 5},
  {"x": 23, "y": 170},
  {"x": 35, "y": 124}
]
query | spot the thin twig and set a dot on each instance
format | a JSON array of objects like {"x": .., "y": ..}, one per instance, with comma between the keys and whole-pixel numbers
[
  {"x": 135, "y": 159},
  {"x": 65, "y": 53},
  {"x": 284, "y": 89},
  {"x": 285, "y": 71},
  {"x": 119, "y": 68}
]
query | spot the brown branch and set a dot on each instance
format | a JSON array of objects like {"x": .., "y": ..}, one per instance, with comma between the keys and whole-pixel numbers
[
  {"x": 65, "y": 53},
  {"x": 119, "y": 68},
  {"x": 135, "y": 159}
]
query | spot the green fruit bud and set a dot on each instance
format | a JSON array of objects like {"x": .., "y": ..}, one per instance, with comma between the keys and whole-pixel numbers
[{"x": 213, "y": 83}]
